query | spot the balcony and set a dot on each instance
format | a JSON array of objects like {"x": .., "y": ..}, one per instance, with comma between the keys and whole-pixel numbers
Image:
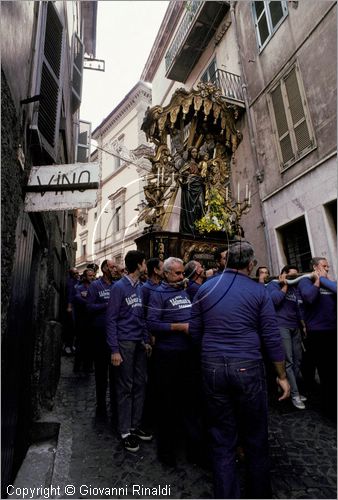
[
  {"x": 197, "y": 28},
  {"x": 230, "y": 85}
]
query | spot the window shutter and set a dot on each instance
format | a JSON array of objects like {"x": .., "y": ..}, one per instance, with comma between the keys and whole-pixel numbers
[
  {"x": 83, "y": 142},
  {"x": 46, "y": 117},
  {"x": 282, "y": 125},
  {"x": 77, "y": 72},
  {"x": 301, "y": 130}
]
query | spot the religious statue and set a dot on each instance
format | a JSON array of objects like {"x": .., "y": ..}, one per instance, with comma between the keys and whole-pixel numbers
[
  {"x": 195, "y": 138},
  {"x": 193, "y": 195}
]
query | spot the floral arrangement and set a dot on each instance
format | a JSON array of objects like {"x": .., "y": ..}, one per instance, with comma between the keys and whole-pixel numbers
[{"x": 216, "y": 217}]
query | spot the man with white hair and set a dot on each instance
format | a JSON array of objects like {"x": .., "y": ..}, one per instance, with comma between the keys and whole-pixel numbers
[{"x": 168, "y": 319}]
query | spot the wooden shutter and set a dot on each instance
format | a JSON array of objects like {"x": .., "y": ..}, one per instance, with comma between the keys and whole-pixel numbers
[
  {"x": 77, "y": 71},
  {"x": 48, "y": 78},
  {"x": 301, "y": 130},
  {"x": 282, "y": 125}
]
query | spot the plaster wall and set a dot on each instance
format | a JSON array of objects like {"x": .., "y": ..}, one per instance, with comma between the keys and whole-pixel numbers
[{"x": 305, "y": 197}]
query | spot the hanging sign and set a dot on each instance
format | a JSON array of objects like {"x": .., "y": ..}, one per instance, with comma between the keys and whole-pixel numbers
[{"x": 62, "y": 187}]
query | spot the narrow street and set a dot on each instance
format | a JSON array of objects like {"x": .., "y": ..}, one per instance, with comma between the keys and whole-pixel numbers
[{"x": 89, "y": 461}]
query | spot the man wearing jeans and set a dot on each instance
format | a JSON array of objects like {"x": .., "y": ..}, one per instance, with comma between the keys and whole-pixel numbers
[
  {"x": 128, "y": 341},
  {"x": 288, "y": 302},
  {"x": 233, "y": 317}
]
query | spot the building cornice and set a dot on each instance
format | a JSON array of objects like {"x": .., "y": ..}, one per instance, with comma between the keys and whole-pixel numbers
[
  {"x": 141, "y": 91},
  {"x": 162, "y": 39}
]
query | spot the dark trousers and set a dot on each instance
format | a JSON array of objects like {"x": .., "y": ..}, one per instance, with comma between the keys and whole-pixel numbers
[
  {"x": 322, "y": 351},
  {"x": 131, "y": 379},
  {"x": 84, "y": 347},
  {"x": 176, "y": 405},
  {"x": 103, "y": 371},
  {"x": 236, "y": 398}
]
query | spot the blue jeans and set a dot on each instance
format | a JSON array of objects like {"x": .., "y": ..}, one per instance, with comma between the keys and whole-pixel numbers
[
  {"x": 131, "y": 379},
  {"x": 236, "y": 399},
  {"x": 293, "y": 356}
]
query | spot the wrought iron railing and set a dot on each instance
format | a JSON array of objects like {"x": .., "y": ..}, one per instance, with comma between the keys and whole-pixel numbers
[
  {"x": 229, "y": 83},
  {"x": 192, "y": 8}
]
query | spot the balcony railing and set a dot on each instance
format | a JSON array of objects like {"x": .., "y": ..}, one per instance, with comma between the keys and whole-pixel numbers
[
  {"x": 230, "y": 85},
  {"x": 192, "y": 7}
]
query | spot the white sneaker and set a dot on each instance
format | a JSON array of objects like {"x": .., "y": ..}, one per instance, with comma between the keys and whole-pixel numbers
[{"x": 298, "y": 403}]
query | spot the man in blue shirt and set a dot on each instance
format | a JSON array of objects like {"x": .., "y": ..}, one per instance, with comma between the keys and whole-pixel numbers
[
  {"x": 168, "y": 320},
  {"x": 195, "y": 273},
  {"x": 288, "y": 302},
  {"x": 320, "y": 308},
  {"x": 97, "y": 301},
  {"x": 128, "y": 341},
  {"x": 232, "y": 316}
]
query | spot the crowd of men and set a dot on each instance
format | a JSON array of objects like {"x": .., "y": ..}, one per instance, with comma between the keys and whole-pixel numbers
[{"x": 185, "y": 352}]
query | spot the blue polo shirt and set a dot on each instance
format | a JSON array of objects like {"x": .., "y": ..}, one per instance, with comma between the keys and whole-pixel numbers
[{"x": 232, "y": 315}]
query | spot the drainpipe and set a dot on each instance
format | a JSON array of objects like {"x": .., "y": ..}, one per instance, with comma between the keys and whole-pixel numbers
[{"x": 259, "y": 173}]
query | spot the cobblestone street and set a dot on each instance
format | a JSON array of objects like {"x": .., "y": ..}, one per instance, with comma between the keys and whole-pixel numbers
[{"x": 90, "y": 458}]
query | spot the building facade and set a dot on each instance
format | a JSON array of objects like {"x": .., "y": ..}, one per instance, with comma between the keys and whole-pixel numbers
[
  {"x": 110, "y": 229},
  {"x": 43, "y": 45},
  {"x": 277, "y": 60},
  {"x": 289, "y": 66}
]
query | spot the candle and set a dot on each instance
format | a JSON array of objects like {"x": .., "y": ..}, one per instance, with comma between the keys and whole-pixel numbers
[
  {"x": 172, "y": 178},
  {"x": 238, "y": 192},
  {"x": 249, "y": 197},
  {"x": 158, "y": 178},
  {"x": 226, "y": 193},
  {"x": 162, "y": 176},
  {"x": 246, "y": 191}
]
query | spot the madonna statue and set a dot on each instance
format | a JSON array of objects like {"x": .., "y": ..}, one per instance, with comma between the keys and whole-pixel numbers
[{"x": 192, "y": 197}]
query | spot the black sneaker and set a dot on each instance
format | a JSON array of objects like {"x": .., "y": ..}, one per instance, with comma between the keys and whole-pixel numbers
[
  {"x": 130, "y": 443},
  {"x": 143, "y": 435}
]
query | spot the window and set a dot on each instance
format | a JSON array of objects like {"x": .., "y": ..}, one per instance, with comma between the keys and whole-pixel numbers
[
  {"x": 291, "y": 119},
  {"x": 83, "y": 142},
  {"x": 83, "y": 248},
  {"x": 48, "y": 77},
  {"x": 295, "y": 243},
  {"x": 210, "y": 73},
  {"x": 118, "y": 219},
  {"x": 268, "y": 16}
]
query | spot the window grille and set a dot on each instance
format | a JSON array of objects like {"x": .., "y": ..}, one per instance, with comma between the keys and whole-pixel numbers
[{"x": 296, "y": 245}]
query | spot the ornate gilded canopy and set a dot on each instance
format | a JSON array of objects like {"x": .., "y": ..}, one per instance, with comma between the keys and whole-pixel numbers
[{"x": 195, "y": 138}]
